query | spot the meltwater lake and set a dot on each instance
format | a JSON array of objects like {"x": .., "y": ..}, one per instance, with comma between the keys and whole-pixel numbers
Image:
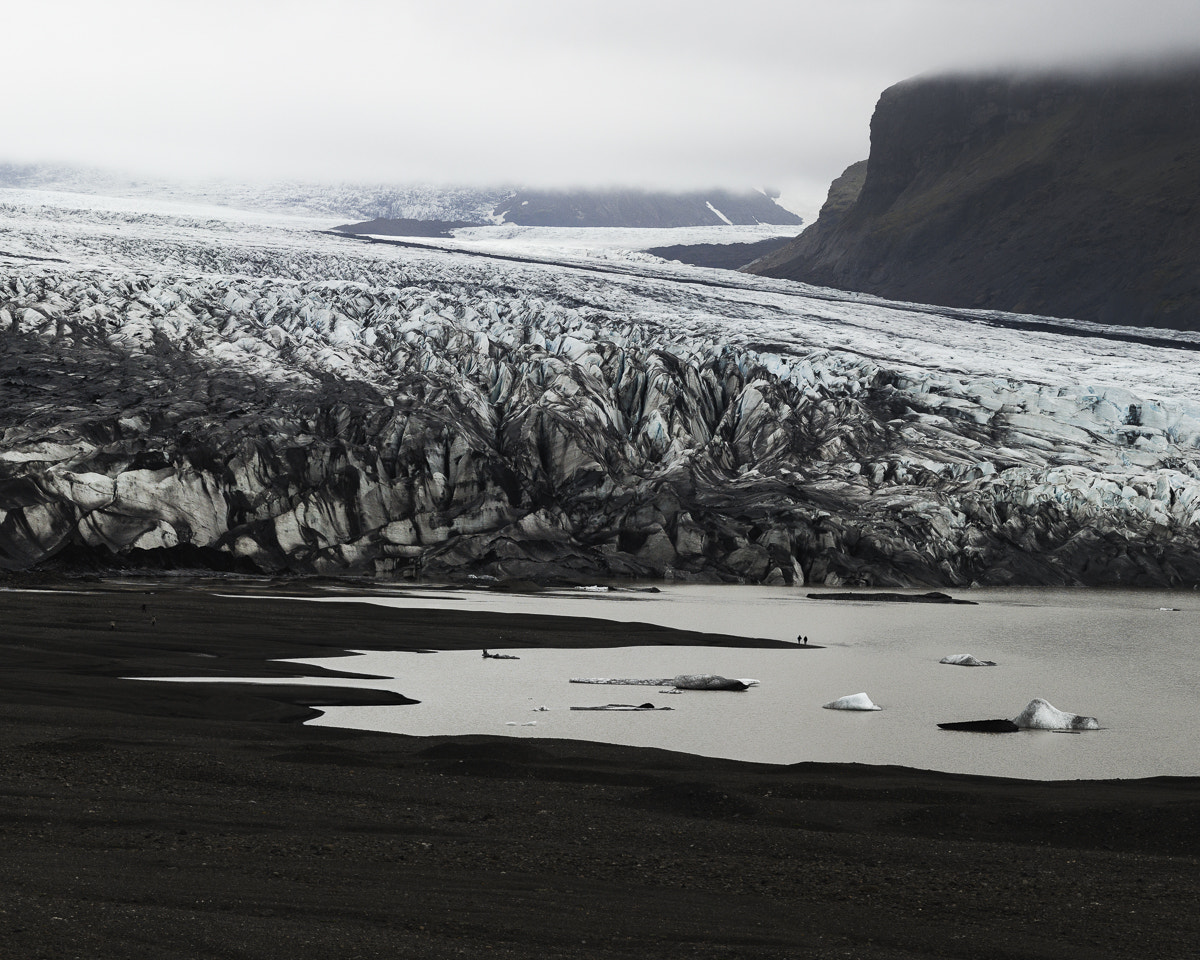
[{"x": 1130, "y": 658}]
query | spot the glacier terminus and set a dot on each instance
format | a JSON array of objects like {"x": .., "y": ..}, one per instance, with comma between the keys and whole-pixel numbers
[{"x": 198, "y": 387}]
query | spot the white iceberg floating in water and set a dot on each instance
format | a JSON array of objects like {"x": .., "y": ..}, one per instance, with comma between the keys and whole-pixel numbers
[
  {"x": 1041, "y": 715},
  {"x": 856, "y": 701},
  {"x": 966, "y": 660}
]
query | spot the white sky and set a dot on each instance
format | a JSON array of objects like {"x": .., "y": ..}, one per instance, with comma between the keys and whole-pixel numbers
[{"x": 735, "y": 93}]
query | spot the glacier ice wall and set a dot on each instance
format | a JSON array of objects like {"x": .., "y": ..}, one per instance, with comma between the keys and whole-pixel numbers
[{"x": 247, "y": 394}]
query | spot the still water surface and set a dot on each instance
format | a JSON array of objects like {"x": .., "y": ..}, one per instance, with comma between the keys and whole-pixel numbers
[{"x": 1129, "y": 658}]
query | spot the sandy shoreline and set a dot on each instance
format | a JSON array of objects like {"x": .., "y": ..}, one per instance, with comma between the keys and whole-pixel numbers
[{"x": 169, "y": 820}]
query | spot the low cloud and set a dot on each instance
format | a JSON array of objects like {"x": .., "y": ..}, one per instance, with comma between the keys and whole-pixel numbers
[{"x": 660, "y": 94}]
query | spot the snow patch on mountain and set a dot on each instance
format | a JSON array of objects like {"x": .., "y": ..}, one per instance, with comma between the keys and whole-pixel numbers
[{"x": 708, "y": 203}]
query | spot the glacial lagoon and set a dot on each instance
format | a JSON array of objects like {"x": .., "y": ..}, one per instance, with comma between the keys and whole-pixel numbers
[{"x": 1131, "y": 658}]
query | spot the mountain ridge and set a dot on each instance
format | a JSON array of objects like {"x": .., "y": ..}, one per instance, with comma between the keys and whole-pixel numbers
[
  {"x": 412, "y": 204},
  {"x": 641, "y": 208}
]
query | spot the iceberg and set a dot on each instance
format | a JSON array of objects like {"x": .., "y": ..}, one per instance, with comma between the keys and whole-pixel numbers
[
  {"x": 966, "y": 660},
  {"x": 1041, "y": 715},
  {"x": 856, "y": 701}
]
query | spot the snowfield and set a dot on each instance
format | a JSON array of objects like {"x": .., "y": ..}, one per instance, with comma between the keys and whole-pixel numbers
[{"x": 515, "y": 400}]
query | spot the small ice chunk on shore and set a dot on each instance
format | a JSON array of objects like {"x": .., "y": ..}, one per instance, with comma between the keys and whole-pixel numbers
[
  {"x": 966, "y": 660},
  {"x": 856, "y": 701}
]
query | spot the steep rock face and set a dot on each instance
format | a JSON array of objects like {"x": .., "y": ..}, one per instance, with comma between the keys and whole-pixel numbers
[
  {"x": 843, "y": 193},
  {"x": 1063, "y": 196},
  {"x": 185, "y": 394}
]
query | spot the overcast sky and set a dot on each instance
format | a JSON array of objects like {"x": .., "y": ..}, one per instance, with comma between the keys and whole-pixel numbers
[{"x": 734, "y": 93}]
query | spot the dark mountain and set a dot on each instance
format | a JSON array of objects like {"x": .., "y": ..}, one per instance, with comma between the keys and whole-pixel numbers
[
  {"x": 725, "y": 256},
  {"x": 404, "y": 227},
  {"x": 640, "y": 208},
  {"x": 1071, "y": 196}
]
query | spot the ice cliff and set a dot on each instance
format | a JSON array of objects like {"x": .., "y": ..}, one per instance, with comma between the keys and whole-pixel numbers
[{"x": 190, "y": 390}]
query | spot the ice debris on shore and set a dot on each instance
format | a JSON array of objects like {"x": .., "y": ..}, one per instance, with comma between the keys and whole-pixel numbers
[
  {"x": 1041, "y": 715},
  {"x": 856, "y": 701},
  {"x": 966, "y": 660}
]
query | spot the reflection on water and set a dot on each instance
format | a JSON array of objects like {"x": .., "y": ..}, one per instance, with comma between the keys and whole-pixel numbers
[{"x": 1115, "y": 655}]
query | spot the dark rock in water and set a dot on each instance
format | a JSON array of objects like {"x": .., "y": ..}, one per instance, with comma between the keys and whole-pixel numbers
[
  {"x": 1058, "y": 195},
  {"x": 625, "y": 706},
  {"x": 707, "y": 681},
  {"x": 931, "y": 597},
  {"x": 966, "y": 660},
  {"x": 982, "y": 726}
]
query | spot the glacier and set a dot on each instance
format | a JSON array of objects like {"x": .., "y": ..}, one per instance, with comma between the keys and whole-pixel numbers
[{"x": 196, "y": 386}]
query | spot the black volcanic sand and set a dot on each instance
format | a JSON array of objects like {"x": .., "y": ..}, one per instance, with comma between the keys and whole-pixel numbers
[{"x": 167, "y": 820}]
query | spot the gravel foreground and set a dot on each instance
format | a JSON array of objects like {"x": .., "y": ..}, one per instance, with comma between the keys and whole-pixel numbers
[{"x": 159, "y": 820}]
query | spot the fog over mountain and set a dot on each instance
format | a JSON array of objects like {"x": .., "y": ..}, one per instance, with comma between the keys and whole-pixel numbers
[{"x": 620, "y": 94}]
